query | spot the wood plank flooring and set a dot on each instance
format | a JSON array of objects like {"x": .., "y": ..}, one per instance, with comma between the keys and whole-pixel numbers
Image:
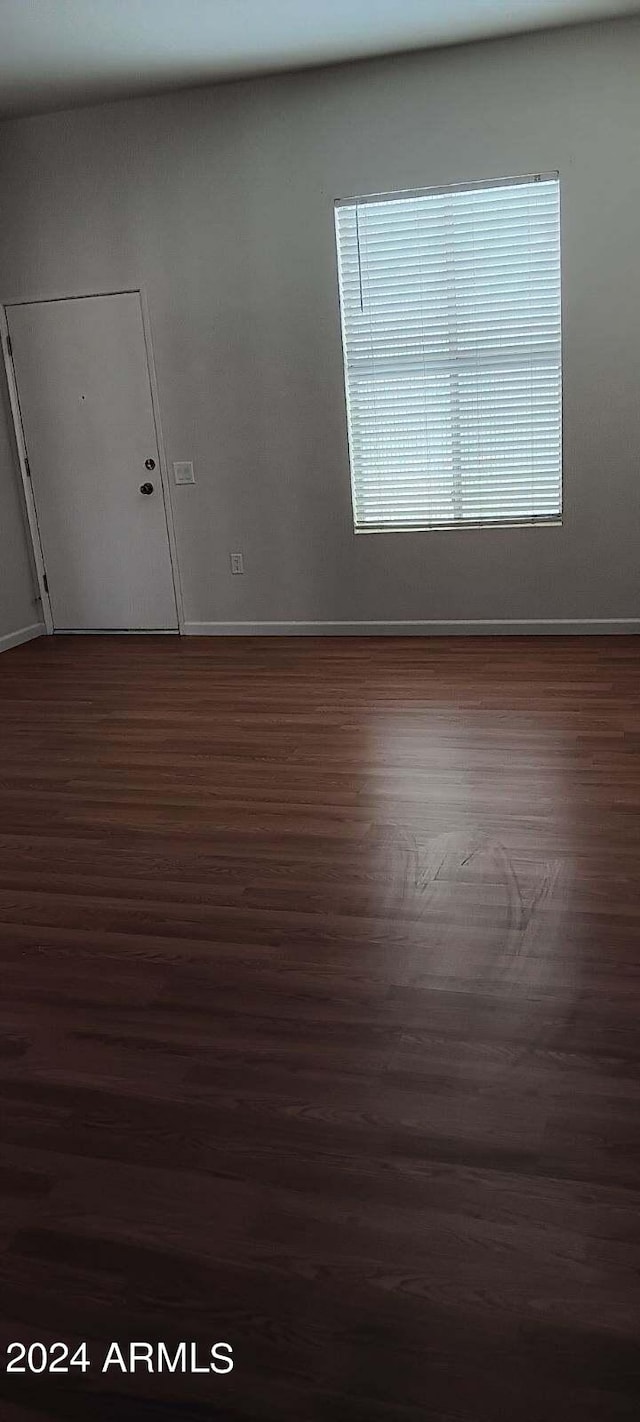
[{"x": 320, "y": 1025}]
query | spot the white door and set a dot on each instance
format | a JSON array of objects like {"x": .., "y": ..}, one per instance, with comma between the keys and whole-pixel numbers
[{"x": 85, "y": 400}]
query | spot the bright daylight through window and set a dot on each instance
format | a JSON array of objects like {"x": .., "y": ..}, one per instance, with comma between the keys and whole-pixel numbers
[{"x": 450, "y": 302}]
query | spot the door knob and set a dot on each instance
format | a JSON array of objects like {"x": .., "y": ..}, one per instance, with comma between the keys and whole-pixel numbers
[
  {"x": 146, "y": 488},
  {"x": 149, "y": 463}
]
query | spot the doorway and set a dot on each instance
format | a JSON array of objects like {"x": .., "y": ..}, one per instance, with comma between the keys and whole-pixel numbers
[{"x": 92, "y": 462}]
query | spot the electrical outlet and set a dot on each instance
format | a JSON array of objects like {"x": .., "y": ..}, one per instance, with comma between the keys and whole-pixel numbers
[
  {"x": 183, "y": 472},
  {"x": 237, "y": 563}
]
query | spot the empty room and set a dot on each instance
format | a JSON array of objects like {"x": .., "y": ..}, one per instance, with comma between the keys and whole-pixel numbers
[{"x": 319, "y": 710}]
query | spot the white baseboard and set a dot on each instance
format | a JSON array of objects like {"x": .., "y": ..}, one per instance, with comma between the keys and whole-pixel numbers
[
  {"x": 115, "y": 632},
  {"x": 557, "y": 626},
  {"x": 24, "y": 634},
  {"x": 562, "y": 627}
]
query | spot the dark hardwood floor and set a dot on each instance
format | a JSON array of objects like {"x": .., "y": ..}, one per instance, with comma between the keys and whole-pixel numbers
[{"x": 320, "y": 1025}]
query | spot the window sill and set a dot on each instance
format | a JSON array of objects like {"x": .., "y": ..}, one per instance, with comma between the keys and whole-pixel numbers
[{"x": 458, "y": 527}]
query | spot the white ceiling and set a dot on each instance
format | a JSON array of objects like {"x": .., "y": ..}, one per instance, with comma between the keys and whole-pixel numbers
[{"x": 55, "y": 53}]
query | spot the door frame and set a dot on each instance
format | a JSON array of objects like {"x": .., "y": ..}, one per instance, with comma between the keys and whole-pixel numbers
[{"x": 18, "y": 430}]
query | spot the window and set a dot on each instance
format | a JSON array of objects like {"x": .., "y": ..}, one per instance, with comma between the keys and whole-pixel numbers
[{"x": 450, "y": 302}]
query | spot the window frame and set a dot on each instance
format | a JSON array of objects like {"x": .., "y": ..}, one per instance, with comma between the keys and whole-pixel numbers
[{"x": 554, "y": 520}]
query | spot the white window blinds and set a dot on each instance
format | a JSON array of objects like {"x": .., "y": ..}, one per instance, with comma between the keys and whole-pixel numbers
[{"x": 450, "y": 304}]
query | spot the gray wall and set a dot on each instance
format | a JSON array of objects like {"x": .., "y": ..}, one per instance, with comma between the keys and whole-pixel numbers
[
  {"x": 18, "y": 607},
  {"x": 219, "y": 202}
]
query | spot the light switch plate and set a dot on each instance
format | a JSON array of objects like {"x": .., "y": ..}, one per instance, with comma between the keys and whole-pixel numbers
[{"x": 183, "y": 472}]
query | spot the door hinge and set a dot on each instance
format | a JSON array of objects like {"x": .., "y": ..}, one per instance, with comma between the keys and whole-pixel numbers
[
  {"x": 45, "y": 583},
  {"x": 9, "y": 346},
  {"x": 27, "y": 467}
]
